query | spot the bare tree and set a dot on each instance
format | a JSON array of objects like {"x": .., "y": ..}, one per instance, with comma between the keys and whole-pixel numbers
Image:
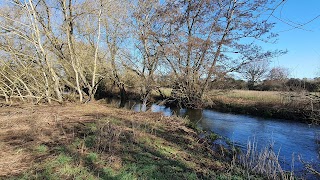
[
  {"x": 24, "y": 43},
  {"x": 145, "y": 21},
  {"x": 201, "y": 35},
  {"x": 255, "y": 71},
  {"x": 117, "y": 32},
  {"x": 49, "y": 36},
  {"x": 280, "y": 74}
]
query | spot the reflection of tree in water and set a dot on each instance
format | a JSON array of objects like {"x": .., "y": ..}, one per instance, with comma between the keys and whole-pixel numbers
[
  {"x": 141, "y": 107},
  {"x": 128, "y": 105},
  {"x": 193, "y": 114},
  {"x": 175, "y": 111}
]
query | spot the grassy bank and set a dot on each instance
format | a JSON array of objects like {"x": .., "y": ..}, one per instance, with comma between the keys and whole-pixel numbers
[{"x": 94, "y": 141}]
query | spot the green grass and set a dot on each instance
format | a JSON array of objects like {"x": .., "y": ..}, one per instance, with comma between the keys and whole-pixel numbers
[
  {"x": 92, "y": 157},
  {"x": 213, "y": 136},
  {"x": 41, "y": 148}
]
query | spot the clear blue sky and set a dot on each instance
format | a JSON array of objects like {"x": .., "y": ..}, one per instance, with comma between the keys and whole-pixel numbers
[{"x": 303, "y": 58}]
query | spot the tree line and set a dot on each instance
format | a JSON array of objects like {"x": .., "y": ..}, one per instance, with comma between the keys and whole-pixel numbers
[{"x": 50, "y": 49}]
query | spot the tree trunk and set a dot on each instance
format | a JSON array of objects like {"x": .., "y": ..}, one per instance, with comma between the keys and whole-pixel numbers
[
  {"x": 6, "y": 97},
  {"x": 251, "y": 85},
  {"x": 92, "y": 89},
  {"x": 123, "y": 96},
  {"x": 47, "y": 88}
]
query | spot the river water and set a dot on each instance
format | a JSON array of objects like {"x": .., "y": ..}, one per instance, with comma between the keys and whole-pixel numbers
[{"x": 290, "y": 139}]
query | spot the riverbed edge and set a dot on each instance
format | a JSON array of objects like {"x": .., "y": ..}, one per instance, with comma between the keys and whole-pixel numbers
[{"x": 267, "y": 111}]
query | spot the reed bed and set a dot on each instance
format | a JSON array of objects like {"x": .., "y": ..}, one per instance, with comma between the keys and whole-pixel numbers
[{"x": 265, "y": 162}]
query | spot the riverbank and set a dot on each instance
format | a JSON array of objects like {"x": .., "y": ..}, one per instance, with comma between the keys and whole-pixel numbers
[
  {"x": 266, "y": 111},
  {"x": 269, "y": 104},
  {"x": 94, "y": 141}
]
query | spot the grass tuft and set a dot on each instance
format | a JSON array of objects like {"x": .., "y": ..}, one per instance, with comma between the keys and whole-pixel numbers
[{"x": 41, "y": 148}]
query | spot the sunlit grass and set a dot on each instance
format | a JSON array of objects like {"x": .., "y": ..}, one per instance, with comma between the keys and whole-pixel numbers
[
  {"x": 243, "y": 96},
  {"x": 247, "y": 96},
  {"x": 284, "y": 99}
]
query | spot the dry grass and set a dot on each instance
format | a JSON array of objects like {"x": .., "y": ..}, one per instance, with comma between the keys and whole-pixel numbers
[
  {"x": 247, "y": 97},
  {"x": 264, "y": 162},
  {"x": 301, "y": 99},
  {"x": 25, "y": 127},
  {"x": 112, "y": 138}
]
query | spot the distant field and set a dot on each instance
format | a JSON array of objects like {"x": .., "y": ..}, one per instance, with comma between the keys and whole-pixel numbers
[
  {"x": 294, "y": 99},
  {"x": 247, "y": 96}
]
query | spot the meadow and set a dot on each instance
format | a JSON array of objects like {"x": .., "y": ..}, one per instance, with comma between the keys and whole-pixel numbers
[{"x": 246, "y": 96}]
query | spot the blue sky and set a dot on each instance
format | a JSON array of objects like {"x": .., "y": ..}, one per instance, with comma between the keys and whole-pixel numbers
[{"x": 303, "y": 45}]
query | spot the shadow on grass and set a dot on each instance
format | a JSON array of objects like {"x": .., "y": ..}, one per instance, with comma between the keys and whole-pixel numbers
[
  {"x": 152, "y": 154},
  {"x": 147, "y": 162},
  {"x": 139, "y": 161}
]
